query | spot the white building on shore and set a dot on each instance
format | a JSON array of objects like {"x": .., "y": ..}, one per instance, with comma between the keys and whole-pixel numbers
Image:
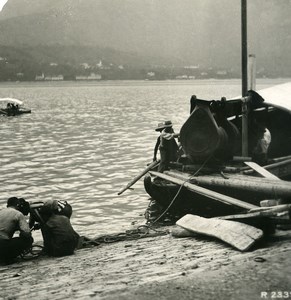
[{"x": 92, "y": 76}]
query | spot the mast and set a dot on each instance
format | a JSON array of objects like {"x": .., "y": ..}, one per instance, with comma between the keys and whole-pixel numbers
[
  {"x": 252, "y": 72},
  {"x": 244, "y": 67},
  {"x": 244, "y": 49}
]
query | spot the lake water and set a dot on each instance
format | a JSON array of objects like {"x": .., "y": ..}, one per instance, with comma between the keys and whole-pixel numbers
[{"x": 83, "y": 142}]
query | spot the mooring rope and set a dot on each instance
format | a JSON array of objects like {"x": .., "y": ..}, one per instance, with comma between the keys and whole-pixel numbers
[
  {"x": 33, "y": 252},
  {"x": 179, "y": 190},
  {"x": 141, "y": 231}
]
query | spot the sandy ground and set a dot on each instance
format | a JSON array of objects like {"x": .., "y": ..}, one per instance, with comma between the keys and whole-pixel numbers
[{"x": 160, "y": 267}]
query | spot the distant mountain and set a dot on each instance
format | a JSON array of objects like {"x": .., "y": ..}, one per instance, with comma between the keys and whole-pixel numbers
[{"x": 168, "y": 31}]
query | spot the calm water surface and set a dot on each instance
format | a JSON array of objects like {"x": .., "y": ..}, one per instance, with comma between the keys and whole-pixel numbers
[{"x": 84, "y": 142}]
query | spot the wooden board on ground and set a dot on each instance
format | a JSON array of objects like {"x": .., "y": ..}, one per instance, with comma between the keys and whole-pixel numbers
[
  {"x": 180, "y": 232},
  {"x": 239, "y": 235}
]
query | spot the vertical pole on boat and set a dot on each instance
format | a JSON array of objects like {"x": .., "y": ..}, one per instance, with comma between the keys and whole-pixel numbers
[
  {"x": 244, "y": 49},
  {"x": 244, "y": 66},
  {"x": 252, "y": 72}
]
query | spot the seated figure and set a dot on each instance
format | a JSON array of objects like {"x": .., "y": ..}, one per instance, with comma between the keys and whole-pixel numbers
[
  {"x": 59, "y": 237},
  {"x": 263, "y": 141}
]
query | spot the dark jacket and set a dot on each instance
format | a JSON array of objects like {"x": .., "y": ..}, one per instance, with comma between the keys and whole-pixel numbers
[{"x": 59, "y": 237}]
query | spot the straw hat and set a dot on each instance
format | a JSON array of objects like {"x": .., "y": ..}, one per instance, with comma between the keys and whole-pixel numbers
[{"x": 163, "y": 125}]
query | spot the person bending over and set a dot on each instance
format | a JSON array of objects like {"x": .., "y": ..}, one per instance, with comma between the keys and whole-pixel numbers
[
  {"x": 12, "y": 219},
  {"x": 59, "y": 237}
]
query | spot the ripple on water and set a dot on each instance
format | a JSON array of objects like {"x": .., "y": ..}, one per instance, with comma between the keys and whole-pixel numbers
[{"x": 82, "y": 145}]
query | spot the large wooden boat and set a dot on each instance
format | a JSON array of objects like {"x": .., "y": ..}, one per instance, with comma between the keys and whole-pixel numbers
[
  {"x": 221, "y": 171},
  {"x": 212, "y": 178}
]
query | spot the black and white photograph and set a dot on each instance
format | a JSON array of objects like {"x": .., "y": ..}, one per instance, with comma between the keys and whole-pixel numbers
[{"x": 145, "y": 149}]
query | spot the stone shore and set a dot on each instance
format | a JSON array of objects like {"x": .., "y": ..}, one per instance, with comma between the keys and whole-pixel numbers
[{"x": 161, "y": 267}]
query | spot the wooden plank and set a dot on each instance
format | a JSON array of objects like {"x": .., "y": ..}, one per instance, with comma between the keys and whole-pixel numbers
[
  {"x": 282, "y": 158},
  {"x": 251, "y": 214},
  {"x": 274, "y": 209},
  {"x": 263, "y": 186},
  {"x": 280, "y": 168},
  {"x": 265, "y": 173},
  {"x": 238, "y": 235},
  {"x": 205, "y": 192},
  {"x": 180, "y": 232}
]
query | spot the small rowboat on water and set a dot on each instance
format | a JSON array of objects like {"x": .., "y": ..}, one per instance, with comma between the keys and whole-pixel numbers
[{"x": 12, "y": 107}]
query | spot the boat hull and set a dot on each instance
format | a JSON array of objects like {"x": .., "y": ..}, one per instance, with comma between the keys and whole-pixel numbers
[
  {"x": 6, "y": 112},
  {"x": 179, "y": 201}
]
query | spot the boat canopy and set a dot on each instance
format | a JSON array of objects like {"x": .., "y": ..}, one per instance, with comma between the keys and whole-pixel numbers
[
  {"x": 277, "y": 96},
  {"x": 11, "y": 100}
]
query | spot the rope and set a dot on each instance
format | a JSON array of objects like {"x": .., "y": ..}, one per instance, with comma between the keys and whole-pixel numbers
[
  {"x": 140, "y": 232},
  {"x": 33, "y": 252},
  {"x": 179, "y": 190}
]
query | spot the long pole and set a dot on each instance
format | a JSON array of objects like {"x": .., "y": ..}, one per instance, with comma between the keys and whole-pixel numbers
[
  {"x": 139, "y": 176},
  {"x": 252, "y": 72},
  {"x": 244, "y": 67},
  {"x": 244, "y": 49},
  {"x": 259, "y": 186}
]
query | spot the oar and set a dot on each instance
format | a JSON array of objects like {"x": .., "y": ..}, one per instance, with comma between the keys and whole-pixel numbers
[
  {"x": 2, "y": 111},
  {"x": 140, "y": 175}
]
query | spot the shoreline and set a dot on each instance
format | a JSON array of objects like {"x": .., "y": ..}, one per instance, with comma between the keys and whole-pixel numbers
[
  {"x": 163, "y": 266},
  {"x": 263, "y": 81}
]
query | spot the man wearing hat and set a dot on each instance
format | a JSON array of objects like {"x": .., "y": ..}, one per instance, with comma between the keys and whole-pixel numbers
[
  {"x": 166, "y": 144},
  {"x": 11, "y": 220}
]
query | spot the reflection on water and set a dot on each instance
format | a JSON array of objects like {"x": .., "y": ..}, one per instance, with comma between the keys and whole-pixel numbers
[{"x": 84, "y": 142}]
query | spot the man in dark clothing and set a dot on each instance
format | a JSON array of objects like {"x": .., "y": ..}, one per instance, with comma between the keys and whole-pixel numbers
[
  {"x": 11, "y": 220},
  {"x": 59, "y": 237},
  {"x": 166, "y": 144}
]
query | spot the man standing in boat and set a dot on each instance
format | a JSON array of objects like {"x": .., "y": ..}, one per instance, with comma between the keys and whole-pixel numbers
[{"x": 166, "y": 144}]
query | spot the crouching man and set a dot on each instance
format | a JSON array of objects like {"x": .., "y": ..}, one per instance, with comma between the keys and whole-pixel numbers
[
  {"x": 53, "y": 218},
  {"x": 11, "y": 220}
]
